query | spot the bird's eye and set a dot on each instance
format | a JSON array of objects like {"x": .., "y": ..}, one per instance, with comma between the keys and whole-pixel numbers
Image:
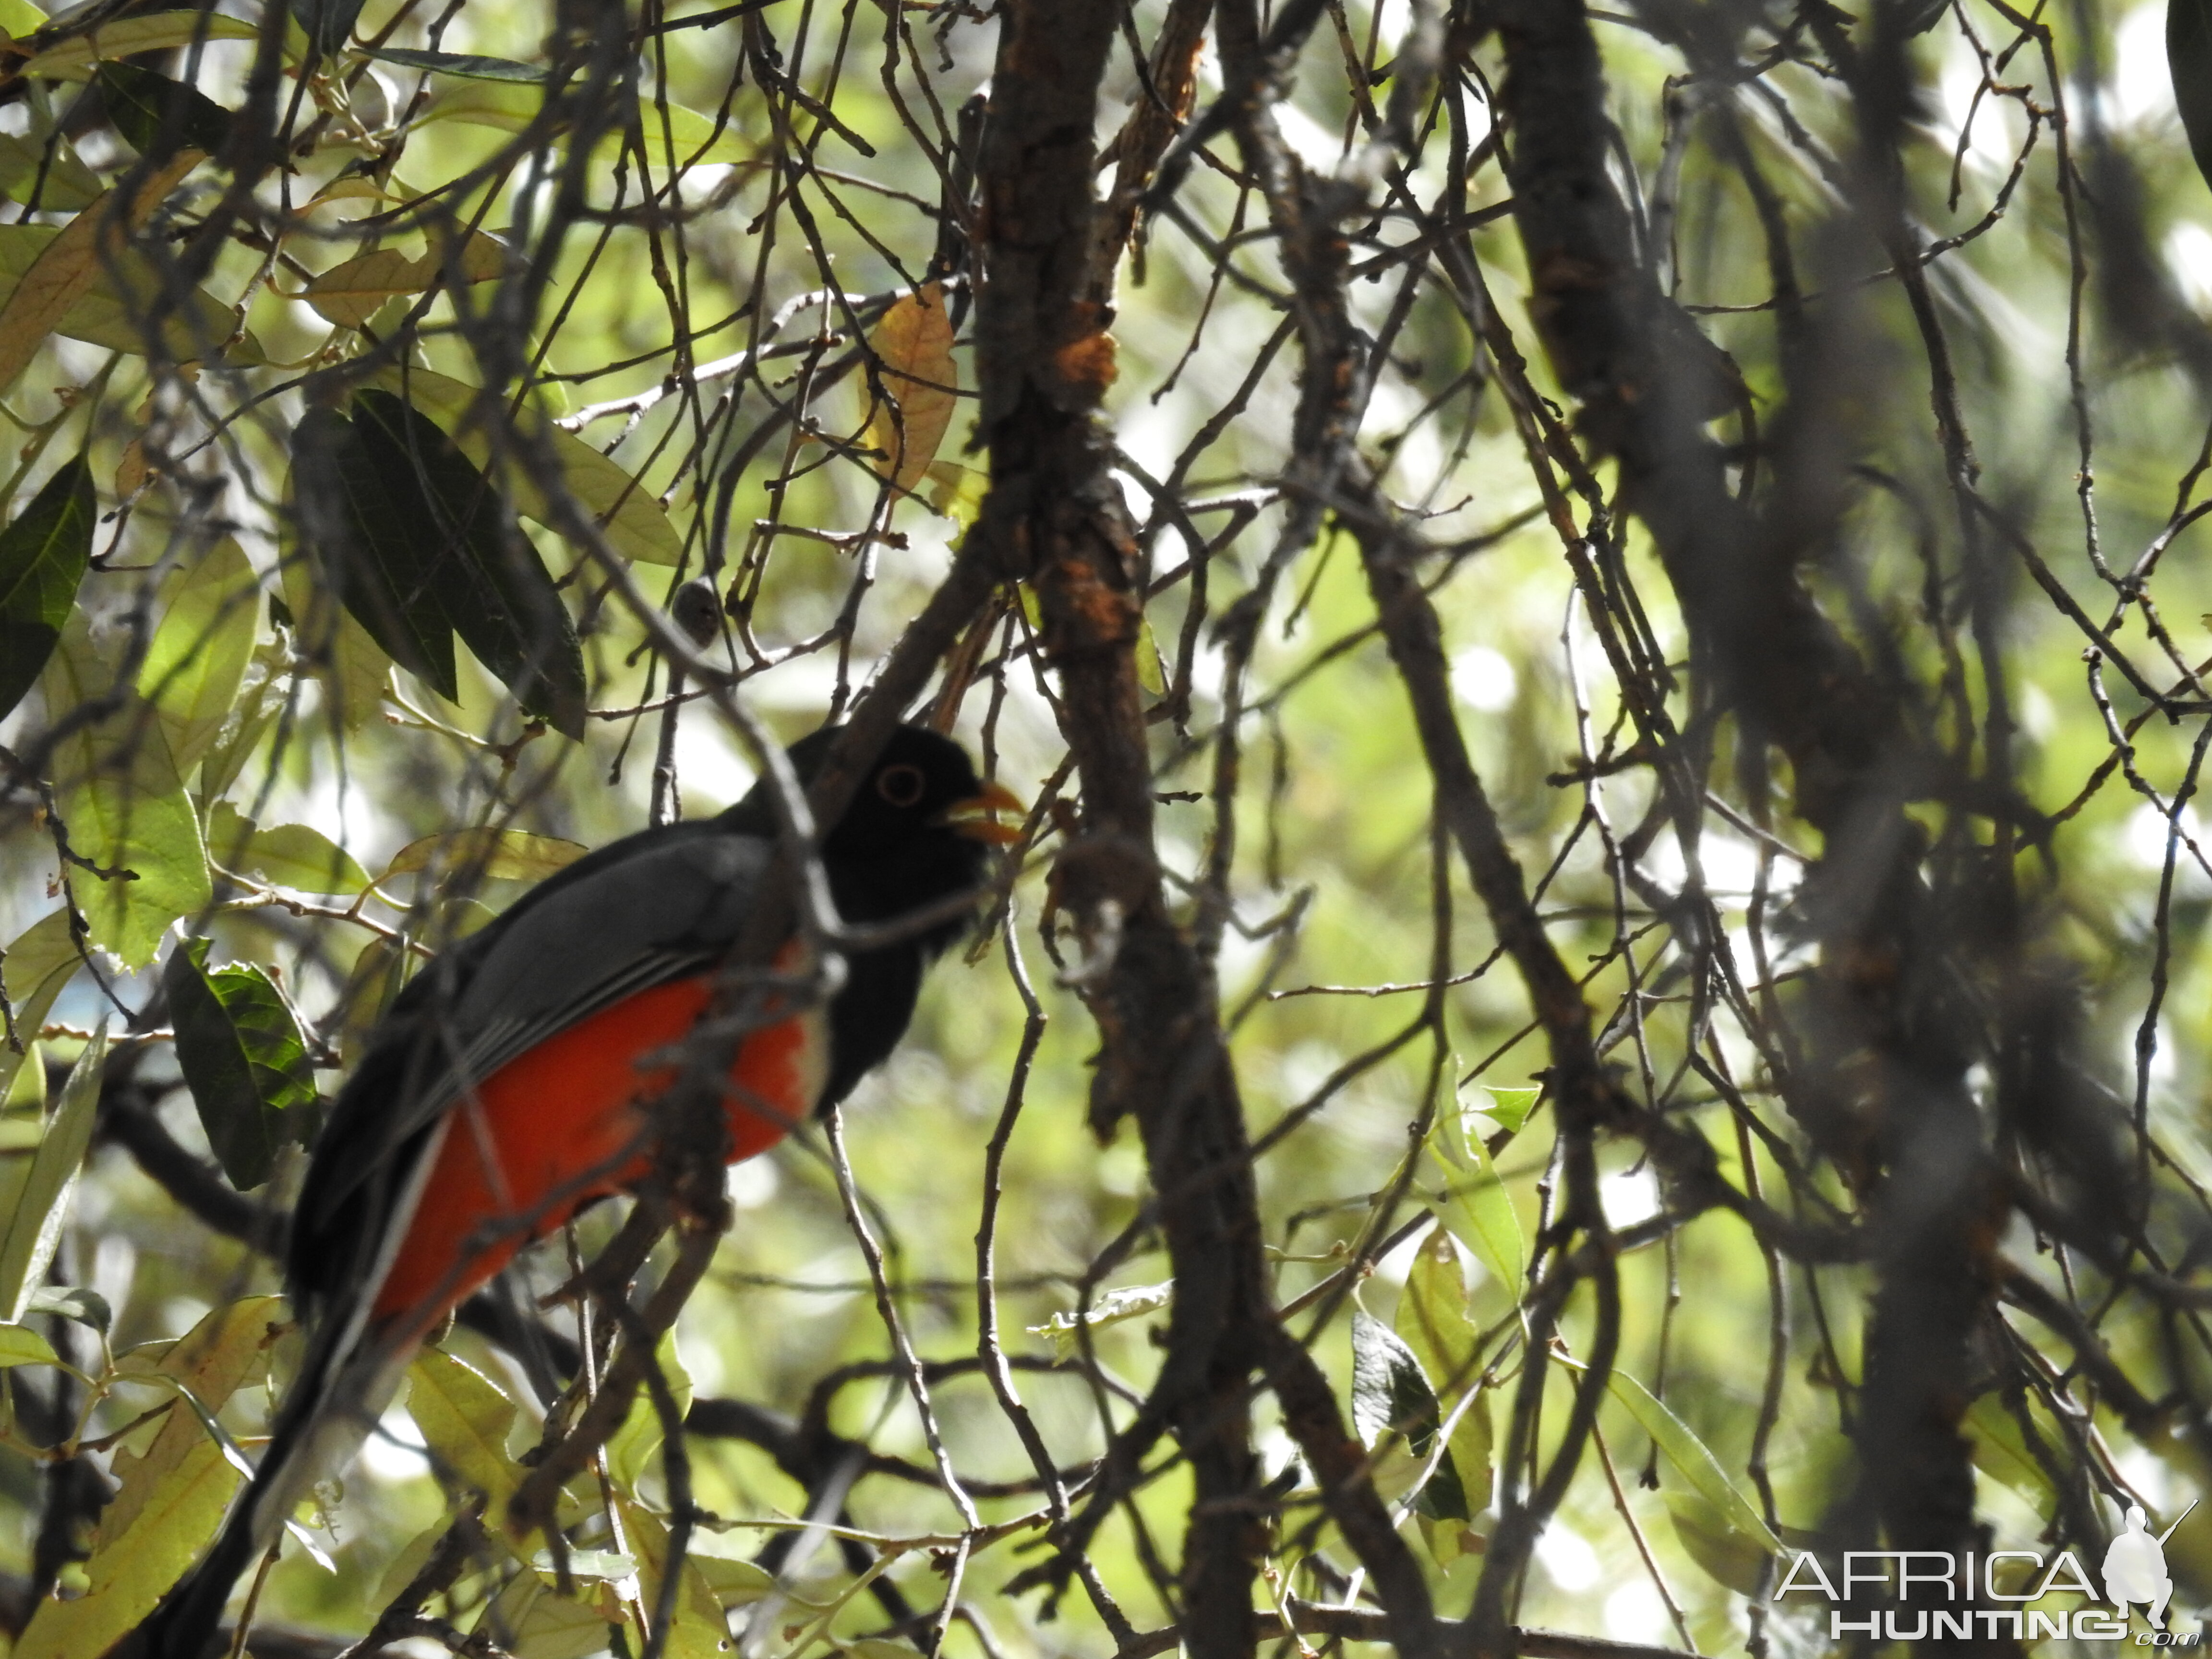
[{"x": 901, "y": 786}]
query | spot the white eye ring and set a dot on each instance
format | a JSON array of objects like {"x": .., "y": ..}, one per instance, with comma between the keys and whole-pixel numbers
[{"x": 901, "y": 785}]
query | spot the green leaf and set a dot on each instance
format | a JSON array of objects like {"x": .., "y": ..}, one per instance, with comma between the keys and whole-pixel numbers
[
  {"x": 85, "y": 1307},
  {"x": 1436, "y": 1321},
  {"x": 156, "y": 115},
  {"x": 20, "y": 18},
  {"x": 1725, "y": 1552},
  {"x": 370, "y": 547},
  {"x": 465, "y": 1420},
  {"x": 460, "y": 63},
  {"x": 243, "y": 1059},
  {"x": 41, "y": 169},
  {"x": 1689, "y": 1454},
  {"x": 25, "y": 1092},
  {"x": 1393, "y": 1402},
  {"x": 491, "y": 855},
  {"x": 530, "y": 1620},
  {"x": 20, "y": 1345},
  {"x": 198, "y": 658},
  {"x": 261, "y": 697},
  {"x": 2189, "y": 60},
  {"x": 493, "y": 586},
  {"x": 43, "y": 557},
  {"x": 1477, "y": 1207},
  {"x": 77, "y": 58},
  {"x": 35, "y": 969},
  {"x": 125, "y": 808},
  {"x": 735, "y": 1584},
  {"x": 2001, "y": 1451},
  {"x": 26, "y": 1250},
  {"x": 291, "y": 854},
  {"x": 119, "y": 299},
  {"x": 588, "y": 1563},
  {"x": 634, "y": 521},
  {"x": 328, "y": 24},
  {"x": 1509, "y": 1107},
  {"x": 378, "y": 973},
  {"x": 1151, "y": 672},
  {"x": 631, "y": 1446},
  {"x": 701, "y": 1631}
]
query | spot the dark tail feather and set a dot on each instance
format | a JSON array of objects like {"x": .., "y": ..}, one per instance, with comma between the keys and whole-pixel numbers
[
  {"x": 189, "y": 1623},
  {"x": 326, "y": 1413}
]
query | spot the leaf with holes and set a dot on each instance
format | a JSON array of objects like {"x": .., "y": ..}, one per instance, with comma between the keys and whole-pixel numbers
[
  {"x": 243, "y": 1059},
  {"x": 43, "y": 557}
]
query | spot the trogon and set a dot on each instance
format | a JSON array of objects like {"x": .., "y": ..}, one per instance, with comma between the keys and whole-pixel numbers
[{"x": 509, "y": 1085}]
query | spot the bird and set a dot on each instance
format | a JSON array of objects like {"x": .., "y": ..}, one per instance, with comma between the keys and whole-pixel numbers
[{"x": 508, "y": 1086}]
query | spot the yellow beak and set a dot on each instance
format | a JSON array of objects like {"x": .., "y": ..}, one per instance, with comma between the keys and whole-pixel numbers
[{"x": 977, "y": 817}]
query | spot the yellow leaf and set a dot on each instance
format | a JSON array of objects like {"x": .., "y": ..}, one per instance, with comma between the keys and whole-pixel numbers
[
  {"x": 464, "y": 1420},
  {"x": 171, "y": 1498},
  {"x": 65, "y": 272},
  {"x": 912, "y": 341},
  {"x": 113, "y": 311},
  {"x": 75, "y": 59},
  {"x": 495, "y": 854},
  {"x": 350, "y": 292},
  {"x": 956, "y": 492}
]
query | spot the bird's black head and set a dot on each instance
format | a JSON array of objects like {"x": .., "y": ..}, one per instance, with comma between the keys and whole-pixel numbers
[{"x": 919, "y": 828}]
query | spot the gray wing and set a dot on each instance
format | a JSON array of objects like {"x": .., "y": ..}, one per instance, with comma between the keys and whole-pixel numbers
[{"x": 670, "y": 910}]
